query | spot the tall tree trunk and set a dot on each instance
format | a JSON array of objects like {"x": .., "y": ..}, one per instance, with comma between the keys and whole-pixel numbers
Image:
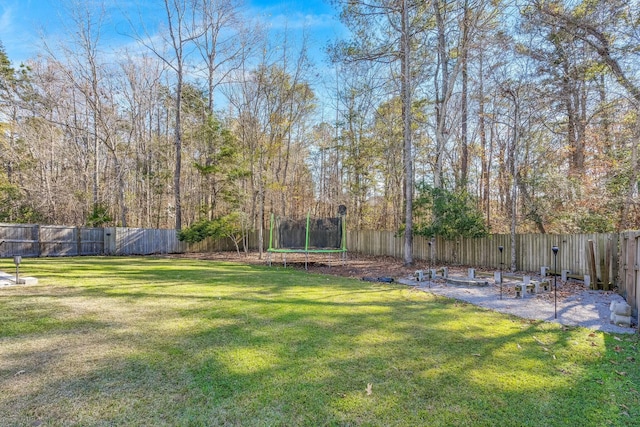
[
  {"x": 406, "y": 134},
  {"x": 513, "y": 168},
  {"x": 485, "y": 162},
  {"x": 464, "y": 148},
  {"x": 441, "y": 81},
  {"x": 177, "y": 172}
]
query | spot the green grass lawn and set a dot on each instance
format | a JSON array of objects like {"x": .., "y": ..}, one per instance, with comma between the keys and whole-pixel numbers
[{"x": 153, "y": 342}]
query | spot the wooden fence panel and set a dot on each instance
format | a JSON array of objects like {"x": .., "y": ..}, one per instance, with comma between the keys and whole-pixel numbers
[
  {"x": 58, "y": 241},
  {"x": 145, "y": 241},
  {"x": 49, "y": 240},
  {"x": 91, "y": 241},
  {"x": 19, "y": 239}
]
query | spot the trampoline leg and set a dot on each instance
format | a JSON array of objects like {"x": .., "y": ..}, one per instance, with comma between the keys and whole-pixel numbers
[{"x": 306, "y": 260}]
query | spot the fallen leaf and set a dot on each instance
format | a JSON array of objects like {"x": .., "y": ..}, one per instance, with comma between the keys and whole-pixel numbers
[
  {"x": 20, "y": 372},
  {"x": 617, "y": 348},
  {"x": 623, "y": 406},
  {"x": 539, "y": 341},
  {"x": 554, "y": 357},
  {"x": 369, "y": 389},
  {"x": 593, "y": 344},
  {"x": 545, "y": 349},
  {"x": 622, "y": 374},
  {"x": 592, "y": 334},
  {"x": 519, "y": 346},
  {"x": 631, "y": 359},
  {"x": 476, "y": 354},
  {"x": 613, "y": 362},
  {"x": 617, "y": 338}
]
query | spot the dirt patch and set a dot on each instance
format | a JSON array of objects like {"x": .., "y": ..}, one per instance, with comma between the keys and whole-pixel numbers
[{"x": 356, "y": 266}]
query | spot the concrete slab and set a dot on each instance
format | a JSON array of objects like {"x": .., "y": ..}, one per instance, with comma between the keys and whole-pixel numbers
[
  {"x": 9, "y": 280},
  {"x": 26, "y": 280}
]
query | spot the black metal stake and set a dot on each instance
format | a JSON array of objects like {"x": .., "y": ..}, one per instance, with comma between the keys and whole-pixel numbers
[
  {"x": 430, "y": 254},
  {"x": 555, "y": 281},
  {"x": 500, "y": 248}
]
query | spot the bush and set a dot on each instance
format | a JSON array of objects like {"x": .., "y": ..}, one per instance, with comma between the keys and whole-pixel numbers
[
  {"x": 440, "y": 212},
  {"x": 226, "y": 226}
]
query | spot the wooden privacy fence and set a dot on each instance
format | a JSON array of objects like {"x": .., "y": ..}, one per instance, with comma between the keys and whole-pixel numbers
[
  {"x": 532, "y": 251},
  {"x": 35, "y": 240},
  {"x": 31, "y": 240}
]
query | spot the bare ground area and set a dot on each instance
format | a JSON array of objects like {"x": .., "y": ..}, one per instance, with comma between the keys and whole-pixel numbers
[{"x": 356, "y": 266}]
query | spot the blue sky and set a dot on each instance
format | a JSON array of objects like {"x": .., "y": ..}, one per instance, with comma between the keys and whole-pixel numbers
[{"x": 24, "y": 22}]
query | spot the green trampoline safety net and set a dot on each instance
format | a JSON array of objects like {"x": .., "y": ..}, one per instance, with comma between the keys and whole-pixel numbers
[{"x": 307, "y": 235}]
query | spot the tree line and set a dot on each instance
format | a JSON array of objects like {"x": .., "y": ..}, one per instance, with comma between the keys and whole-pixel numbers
[{"x": 434, "y": 117}]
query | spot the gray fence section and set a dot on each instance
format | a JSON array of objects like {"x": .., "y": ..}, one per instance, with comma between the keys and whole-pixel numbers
[
  {"x": 35, "y": 240},
  {"x": 32, "y": 240},
  {"x": 140, "y": 241}
]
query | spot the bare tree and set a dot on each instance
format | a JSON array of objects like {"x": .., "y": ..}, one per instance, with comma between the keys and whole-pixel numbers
[
  {"x": 225, "y": 42},
  {"x": 184, "y": 27}
]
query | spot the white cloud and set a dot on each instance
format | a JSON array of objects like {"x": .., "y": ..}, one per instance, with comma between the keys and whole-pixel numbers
[
  {"x": 18, "y": 35},
  {"x": 6, "y": 19}
]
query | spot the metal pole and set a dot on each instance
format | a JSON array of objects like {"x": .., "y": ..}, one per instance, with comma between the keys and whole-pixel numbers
[
  {"x": 500, "y": 248},
  {"x": 17, "y": 260},
  {"x": 555, "y": 281},
  {"x": 430, "y": 254}
]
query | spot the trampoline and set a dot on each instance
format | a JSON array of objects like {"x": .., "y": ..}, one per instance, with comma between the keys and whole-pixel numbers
[{"x": 308, "y": 236}]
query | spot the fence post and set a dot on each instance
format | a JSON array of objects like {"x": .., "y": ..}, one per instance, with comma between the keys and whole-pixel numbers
[
  {"x": 36, "y": 231},
  {"x": 78, "y": 232}
]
